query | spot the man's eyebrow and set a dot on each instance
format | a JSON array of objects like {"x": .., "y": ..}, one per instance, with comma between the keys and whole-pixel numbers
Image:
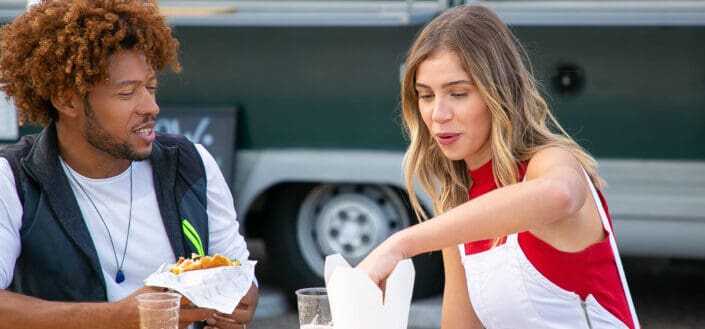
[
  {"x": 445, "y": 85},
  {"x": 123, "y": 83}
]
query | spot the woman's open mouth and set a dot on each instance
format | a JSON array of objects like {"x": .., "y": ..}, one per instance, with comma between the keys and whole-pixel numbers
[{"x": 447, "y": 138}]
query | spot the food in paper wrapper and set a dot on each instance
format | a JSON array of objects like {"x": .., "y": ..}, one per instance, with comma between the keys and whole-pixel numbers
[
  {"x": 214, "y": 282},
  {"x": 197, "y": 262}
]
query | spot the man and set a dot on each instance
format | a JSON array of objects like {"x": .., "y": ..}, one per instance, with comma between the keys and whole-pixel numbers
[{"x": 96, "y": 202}]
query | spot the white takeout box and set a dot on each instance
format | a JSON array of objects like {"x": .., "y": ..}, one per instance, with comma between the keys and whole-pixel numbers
[{"x": 356, "y": 302}]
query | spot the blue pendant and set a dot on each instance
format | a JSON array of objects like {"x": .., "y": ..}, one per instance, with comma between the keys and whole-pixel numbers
[{"x": 119, "y": 277}]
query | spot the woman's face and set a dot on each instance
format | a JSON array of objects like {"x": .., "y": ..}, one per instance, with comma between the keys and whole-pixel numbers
[{"x": 453, "y": 109}]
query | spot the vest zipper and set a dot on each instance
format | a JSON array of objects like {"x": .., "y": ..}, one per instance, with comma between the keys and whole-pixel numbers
[{"x": 583, "y": 304}]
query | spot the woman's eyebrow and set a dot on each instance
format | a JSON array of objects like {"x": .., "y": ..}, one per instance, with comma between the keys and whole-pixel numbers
[
  {"x": 445, "y": 85},
  {"x": 457, "y": 82}
]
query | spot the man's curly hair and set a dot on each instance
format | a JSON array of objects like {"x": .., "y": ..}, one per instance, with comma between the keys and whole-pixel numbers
[{"x": 61, "y": 45}]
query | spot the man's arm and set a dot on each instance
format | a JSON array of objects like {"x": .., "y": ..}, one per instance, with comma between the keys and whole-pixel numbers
[
  {"x": 10, "y": 224},
  {"x": 225, "y": 238},
  {"x": 20, "y": 311},
  {"x": 223, "y": 227}
]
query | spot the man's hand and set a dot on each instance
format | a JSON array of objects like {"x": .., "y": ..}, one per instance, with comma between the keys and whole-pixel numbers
[
  {"x": 242, "y": 315},
  {"x": 127, "y": 308},
  {"x": 187, "y": 314}
]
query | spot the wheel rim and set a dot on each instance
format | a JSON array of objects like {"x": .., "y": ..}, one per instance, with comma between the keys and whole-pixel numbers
[{"x": 347, "y": 219}]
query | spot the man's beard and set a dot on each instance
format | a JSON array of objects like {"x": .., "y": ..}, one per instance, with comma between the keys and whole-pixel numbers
[{"x": 104, "y": 141}]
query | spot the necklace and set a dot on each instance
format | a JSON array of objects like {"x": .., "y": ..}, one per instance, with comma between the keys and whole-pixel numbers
[{"x": 120, "y": 275}]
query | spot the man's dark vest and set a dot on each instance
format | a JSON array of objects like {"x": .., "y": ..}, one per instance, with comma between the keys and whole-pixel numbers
[{"x": 58, "y": 260}]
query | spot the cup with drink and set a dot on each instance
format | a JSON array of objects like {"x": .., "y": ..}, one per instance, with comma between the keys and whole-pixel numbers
[
  {"x": 159, "y": 310},
  {"x": 314, "y": 308}
]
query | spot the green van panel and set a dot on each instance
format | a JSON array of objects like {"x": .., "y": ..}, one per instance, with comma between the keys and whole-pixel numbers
[{"x": 642, "y": 94}]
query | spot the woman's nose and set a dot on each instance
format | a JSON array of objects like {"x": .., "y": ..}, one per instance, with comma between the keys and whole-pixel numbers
[{"x": 441, "y": 111}]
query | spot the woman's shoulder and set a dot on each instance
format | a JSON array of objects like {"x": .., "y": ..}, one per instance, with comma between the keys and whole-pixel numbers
[{"x": 551, "y": 158}]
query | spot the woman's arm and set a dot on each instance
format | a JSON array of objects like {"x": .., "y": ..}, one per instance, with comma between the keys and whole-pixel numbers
[
  {"x": 555, "y": 189},
  {"x": 457, "y": 311}
]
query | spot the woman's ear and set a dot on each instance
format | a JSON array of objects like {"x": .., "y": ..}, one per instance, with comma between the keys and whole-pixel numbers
[{"x": 67, "y": 103}]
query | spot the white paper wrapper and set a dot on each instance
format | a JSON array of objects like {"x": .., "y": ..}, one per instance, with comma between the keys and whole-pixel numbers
[{"x": 218, "y": 288}]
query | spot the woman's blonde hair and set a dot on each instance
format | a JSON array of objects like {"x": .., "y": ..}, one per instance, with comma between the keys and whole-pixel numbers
[{"x": 521, "y": 123}]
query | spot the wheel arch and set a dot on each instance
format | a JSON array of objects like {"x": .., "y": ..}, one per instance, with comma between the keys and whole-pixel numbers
[{"x": 260, "y": 174}]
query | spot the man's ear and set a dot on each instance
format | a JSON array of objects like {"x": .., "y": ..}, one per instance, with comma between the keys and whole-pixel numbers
[{"x": 67, "y": 103}]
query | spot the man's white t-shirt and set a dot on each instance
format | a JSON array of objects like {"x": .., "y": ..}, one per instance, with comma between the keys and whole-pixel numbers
[{"x": 148, "y": 246}]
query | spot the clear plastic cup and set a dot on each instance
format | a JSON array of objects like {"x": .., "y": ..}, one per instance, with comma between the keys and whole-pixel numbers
[
  {"x": 159, "y": 310},
  {"x": 314, "y": 309}
]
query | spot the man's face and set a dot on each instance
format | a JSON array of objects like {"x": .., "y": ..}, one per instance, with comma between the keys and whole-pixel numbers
[{"x": 121, "y": 113}]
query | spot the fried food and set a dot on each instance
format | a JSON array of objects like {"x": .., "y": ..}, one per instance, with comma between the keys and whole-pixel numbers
[{"x": 197, "y": 262}]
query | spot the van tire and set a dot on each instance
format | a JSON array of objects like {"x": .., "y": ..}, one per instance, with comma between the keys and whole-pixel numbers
[{"x": 298, "y": 261}]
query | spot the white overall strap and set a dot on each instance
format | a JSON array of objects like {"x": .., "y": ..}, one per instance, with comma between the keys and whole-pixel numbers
[{"x": 613, "y": 243}]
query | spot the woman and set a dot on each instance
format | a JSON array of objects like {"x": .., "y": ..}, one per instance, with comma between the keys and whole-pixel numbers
[{"x": 533, "y": 247}]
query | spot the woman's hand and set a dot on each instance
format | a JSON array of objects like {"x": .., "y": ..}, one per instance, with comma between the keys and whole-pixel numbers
[{"x": 380, "y": 263}]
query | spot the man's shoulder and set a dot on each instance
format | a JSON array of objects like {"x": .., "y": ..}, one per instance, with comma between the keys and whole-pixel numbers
[
  {"x": 12, "y": 156},
  {"x": 189, "y": 156},
  {"x": 13, "y": 153},
  {"x": 171, "y": 140},
  {"x": 177, "y": 141}
]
